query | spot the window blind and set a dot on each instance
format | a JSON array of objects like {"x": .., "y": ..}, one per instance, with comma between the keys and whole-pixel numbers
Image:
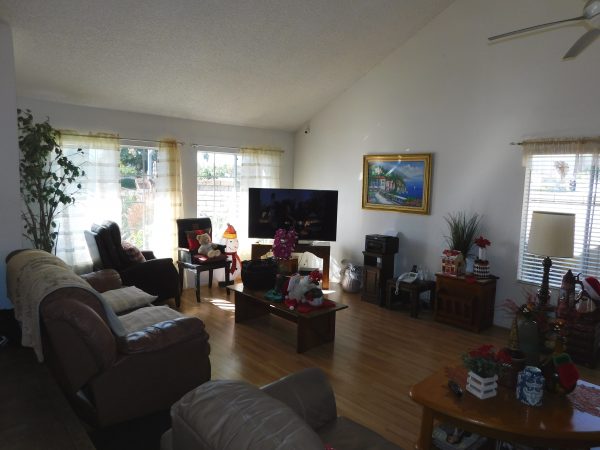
[{"x": 564, "y": 179}]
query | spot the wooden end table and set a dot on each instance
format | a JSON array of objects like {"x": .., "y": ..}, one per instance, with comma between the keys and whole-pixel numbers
[
  {"x": 414, "y": 291},
  {"x": 556, "y": 423},
  {"x": 313, "y": 328}
]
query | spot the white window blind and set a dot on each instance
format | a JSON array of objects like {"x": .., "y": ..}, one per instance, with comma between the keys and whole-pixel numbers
[{"x": 562, "y": 176}]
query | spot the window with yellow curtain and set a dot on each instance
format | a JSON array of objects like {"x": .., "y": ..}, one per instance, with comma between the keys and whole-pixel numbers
[{"x": 562, "y": 175}]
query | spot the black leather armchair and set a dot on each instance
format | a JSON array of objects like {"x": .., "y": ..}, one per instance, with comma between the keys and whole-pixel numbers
[
  {"x": 156, "y": 276},
  {"x": 189, "y": 258}
]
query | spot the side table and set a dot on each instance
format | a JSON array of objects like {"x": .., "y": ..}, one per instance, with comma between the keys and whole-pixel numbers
[{"x": 414, "y": 291}]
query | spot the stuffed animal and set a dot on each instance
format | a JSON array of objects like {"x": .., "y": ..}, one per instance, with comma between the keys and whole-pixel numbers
[
  {"x": 207, "y": 247},
  {"x": 305, "y": 289}
]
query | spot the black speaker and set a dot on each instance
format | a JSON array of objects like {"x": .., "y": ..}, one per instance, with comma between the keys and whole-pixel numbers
[{"x": 380, "y": 243}]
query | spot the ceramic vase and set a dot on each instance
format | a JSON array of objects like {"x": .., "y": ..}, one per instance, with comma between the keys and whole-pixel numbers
[
  {"x": 530, "y": 386},
  {"x": 482, "y": 387}
]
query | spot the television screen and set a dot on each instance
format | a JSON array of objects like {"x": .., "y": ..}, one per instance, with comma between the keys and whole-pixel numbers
[{"x": 312, "y": 213}]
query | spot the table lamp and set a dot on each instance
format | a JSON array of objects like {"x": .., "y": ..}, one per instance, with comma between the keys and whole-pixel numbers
[{"x": 551, "y": 234}]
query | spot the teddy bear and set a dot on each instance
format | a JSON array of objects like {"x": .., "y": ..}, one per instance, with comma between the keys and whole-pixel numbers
[{"x": 206, "y": 246}]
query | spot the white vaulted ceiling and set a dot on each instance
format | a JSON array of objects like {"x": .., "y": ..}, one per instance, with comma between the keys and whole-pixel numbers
[{"x": 261, "y": 63}]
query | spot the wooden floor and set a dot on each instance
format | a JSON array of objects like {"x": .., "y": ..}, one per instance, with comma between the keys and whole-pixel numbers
[{"x": 378, "y": 354}]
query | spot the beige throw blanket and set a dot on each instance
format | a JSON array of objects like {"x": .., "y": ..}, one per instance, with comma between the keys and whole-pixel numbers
[{"x": 31, "y": 276}]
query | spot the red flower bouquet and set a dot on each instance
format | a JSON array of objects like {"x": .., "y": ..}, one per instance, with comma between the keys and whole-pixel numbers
[{"x": 485, "y": 361}]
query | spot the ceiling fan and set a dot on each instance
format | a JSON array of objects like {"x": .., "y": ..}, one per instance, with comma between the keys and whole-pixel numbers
[{"x": 591, "y": 14}]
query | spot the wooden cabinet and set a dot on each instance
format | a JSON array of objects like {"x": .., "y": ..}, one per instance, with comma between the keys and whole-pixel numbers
[
  {"x": 583, "y": 342},
  {"x": 377, "y": 269},
  {"x": 465, "y": 302}
]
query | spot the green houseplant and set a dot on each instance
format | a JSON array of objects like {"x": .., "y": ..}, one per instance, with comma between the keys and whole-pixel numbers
[
  {"x": 462, "y": 230},
  {"x": 48, "y": 179}
]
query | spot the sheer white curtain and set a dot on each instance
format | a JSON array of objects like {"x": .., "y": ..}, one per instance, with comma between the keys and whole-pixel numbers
[
  {"x": 168, "y": 200},
  {"x": 98, "y": 199},
  {"x": 259, "y": 168}
]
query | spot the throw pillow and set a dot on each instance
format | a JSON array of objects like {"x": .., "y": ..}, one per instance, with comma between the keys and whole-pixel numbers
[
  {"x": 193, "y": 243},
  {"x": 126, "y": 298},
  {"x": 133, "y": 253}
]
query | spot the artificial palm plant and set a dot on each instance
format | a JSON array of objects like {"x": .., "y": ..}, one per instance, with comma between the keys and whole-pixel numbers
[{"x": 462, "y": 231}]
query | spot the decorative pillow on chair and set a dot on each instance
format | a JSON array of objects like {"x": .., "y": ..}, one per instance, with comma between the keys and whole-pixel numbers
[
  {"x": 133, "y": 253},
  {"x": 193, "y": 243},
  {"x": 126, "y": 298}
]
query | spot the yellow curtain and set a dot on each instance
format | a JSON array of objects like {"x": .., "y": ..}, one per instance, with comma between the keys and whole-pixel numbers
[
  {"x": 168, "y": 200},
  {"x": 97, "y": 200}
]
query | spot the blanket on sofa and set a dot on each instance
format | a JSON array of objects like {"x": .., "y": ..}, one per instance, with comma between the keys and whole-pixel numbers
[{"x": 31, "y": 276}]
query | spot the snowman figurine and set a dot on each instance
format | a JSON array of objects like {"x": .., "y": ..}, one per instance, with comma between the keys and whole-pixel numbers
[{"x": 231, "y": 243}]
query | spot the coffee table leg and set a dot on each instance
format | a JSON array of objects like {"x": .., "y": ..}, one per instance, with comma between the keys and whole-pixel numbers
[
  {"x": 315, "y": 331},
  {"x": 424, "y": 442}
]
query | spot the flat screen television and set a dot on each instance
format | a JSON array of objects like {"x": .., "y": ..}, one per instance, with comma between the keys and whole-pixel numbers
[{"x": 312, "y": 213}]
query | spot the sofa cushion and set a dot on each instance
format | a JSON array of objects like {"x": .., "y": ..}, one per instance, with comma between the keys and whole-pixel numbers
[
  {"x": 253, "y": 420},
  {"x": 141, "y": 318},
  {"x": 127, "y": 298}
]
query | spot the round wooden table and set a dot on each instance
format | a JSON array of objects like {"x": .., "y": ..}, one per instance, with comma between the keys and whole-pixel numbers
[{"x": 557, "y": 423}]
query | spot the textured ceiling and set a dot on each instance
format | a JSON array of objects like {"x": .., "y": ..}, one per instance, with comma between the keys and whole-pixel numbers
[{"x": 262, "y": 63}]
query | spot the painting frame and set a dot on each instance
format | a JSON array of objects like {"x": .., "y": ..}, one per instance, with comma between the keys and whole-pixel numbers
[{"x": 385, "y": 190}]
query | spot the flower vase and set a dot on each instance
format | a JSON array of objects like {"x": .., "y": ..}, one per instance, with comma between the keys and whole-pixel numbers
[
  {"x": 481, "y": 266},
  {"x": 287, "y": 266},
  {"x": 482, "y": 387}
]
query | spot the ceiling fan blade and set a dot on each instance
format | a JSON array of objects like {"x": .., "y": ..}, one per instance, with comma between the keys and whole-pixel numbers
[
  {"x": 582, "y": 43},
  {"x": 535, "y": 27}
]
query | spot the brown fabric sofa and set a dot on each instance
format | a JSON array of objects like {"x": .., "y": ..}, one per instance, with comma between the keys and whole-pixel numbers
[
  {"x": 111, "y": 368},
  {"x": 295, "y": 412}
]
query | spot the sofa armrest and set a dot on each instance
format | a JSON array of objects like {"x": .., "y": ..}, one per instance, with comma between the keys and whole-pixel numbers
[
  {"x": 308, "y": 393},
  {"x": 156, "y": 276},
  {"x": 104, "y": 280},
  {"x": 148, "y": 254},
  {"x": 162, "y": 335}
]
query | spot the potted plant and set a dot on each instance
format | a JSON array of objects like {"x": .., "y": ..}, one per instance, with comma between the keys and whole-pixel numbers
[
  {"x": 48, "y": 180},
  {"x": 485, "y": 364},
  {"x": 462, "y": 231},
  {"x": 283, "y": 246}
]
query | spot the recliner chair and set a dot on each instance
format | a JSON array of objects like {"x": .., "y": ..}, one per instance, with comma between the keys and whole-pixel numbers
[{"x": 156, "y": 276}]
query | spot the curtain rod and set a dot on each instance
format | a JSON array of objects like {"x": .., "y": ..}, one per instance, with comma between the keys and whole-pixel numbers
[
  {"x": 111, "y": 136},
  {"x": 236, "y": 148},
  {"x": 557, "y": 140}
]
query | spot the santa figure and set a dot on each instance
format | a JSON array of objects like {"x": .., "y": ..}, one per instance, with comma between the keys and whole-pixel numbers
[{"x": 231, "y": 243}]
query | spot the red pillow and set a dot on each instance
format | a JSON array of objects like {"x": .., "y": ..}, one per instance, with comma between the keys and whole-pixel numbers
[{"x": 193, "y": 243}]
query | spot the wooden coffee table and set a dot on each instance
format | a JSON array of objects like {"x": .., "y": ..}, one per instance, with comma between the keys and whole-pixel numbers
[
  {"x": 557, "y": 423},
  {"x": 313, "y": 328}
]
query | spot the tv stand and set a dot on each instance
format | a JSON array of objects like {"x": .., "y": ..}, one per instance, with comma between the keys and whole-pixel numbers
[{"x": 321, "y": 251}]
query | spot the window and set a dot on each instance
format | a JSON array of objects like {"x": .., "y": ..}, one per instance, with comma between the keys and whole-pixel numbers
[
  {"x": 562, "y": 176},
  {"x": 223, "y": 180},
  {"x": 137, "y": 167},
  {"x": 133, "y": 185},
  {"x": 218, "y": 189}
]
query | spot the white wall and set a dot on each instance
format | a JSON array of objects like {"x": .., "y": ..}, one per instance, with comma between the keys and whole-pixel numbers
[
  {"x": 144, "y": 126},
  {"x": 451, "y": 93},
  {"x": 9, "y": 154}
]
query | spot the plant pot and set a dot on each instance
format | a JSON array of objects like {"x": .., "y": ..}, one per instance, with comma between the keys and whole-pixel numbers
[
  {"x": 287, "y": 266},
  {"x": 482, "y": 387}
]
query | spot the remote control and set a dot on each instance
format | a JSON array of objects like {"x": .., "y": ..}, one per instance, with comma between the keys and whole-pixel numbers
[{"x": 455, "y": 388}]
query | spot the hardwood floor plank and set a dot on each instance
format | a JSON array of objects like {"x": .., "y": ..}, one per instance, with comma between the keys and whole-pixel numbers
[{"x": 377, "y": 355}]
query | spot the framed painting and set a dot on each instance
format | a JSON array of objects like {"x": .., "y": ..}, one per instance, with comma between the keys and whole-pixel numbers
[{"x": 397, "y": 182}]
